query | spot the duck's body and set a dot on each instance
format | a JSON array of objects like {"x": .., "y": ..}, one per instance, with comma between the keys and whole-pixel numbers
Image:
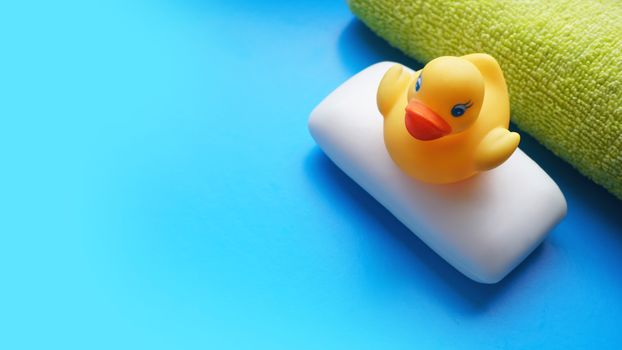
[{"x": 484, "y": 142}]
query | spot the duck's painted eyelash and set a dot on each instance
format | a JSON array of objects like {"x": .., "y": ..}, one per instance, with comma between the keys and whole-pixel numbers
[{"x": 459, "y": 109}]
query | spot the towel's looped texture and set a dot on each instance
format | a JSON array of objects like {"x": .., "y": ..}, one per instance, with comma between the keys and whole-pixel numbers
[{"x": 562, "y": 60}]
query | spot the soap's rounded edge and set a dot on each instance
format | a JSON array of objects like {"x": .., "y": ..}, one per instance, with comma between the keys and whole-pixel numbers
[
  {"x": 312, "y": 123},
  {"x": 316, "y": 112},
  {"x": 476, "y": 276},
  {"x": 484, "y": 274},
  {"x": 490, "y": 277}
]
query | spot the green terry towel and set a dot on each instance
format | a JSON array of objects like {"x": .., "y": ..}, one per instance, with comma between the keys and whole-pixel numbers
[{"x": 562, "y": 60}]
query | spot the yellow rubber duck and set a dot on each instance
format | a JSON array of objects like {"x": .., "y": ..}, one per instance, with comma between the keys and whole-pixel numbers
[{"x": 449, "y": 120}]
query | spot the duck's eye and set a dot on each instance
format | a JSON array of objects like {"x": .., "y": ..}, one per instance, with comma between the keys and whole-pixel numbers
[
  {"x": 459, "y": 109},
  {"x": 418, "y": 83}
]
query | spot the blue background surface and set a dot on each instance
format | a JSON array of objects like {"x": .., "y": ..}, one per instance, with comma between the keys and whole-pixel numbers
[{"x": 159, "y": 189}]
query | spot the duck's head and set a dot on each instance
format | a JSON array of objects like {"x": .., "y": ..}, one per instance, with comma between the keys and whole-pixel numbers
[{"x": 445, "y": 99}]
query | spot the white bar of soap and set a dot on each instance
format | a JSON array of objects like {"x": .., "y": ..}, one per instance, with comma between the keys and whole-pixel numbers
[{"x": 484, "y": 226}]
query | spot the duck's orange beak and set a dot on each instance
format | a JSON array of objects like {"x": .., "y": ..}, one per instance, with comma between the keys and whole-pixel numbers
[{"x": 423, "y": 124}]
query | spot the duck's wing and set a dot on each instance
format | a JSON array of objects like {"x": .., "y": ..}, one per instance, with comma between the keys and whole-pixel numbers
[
  {"x": 496, "y": 147},
  {"x": 392, "y": 85},
  {"x": 488, "y": 66},
  {"x": 497, "y": 99}
]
